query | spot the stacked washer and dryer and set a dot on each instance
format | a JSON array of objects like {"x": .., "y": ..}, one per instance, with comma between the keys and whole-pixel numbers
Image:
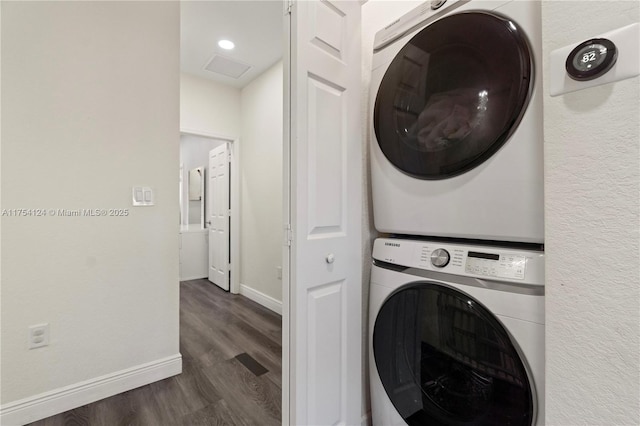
[{"x": 456, "y": 321}]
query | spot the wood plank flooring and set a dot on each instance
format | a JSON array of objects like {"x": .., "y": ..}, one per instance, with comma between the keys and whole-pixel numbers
[{"x": 231, "y": 370}]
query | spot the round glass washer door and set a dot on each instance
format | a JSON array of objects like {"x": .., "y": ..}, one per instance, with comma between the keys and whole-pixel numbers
[
  {"x": 444, "y": 359},
  {"x": 453, "y": 95}
]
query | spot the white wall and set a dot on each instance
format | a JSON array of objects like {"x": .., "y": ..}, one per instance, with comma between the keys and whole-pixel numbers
[
  {"x": 208, "y": 107},
  {"x": 88, "y": 111},
  {"x": 592, "y": 164},
  {"x": 261, "y": 183}
]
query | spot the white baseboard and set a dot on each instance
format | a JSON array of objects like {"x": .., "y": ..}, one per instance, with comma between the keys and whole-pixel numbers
[
  {"x": 193, "y": 277},
  {"x": 69, "y": 397},
  {"x": 261, "y": 298}
]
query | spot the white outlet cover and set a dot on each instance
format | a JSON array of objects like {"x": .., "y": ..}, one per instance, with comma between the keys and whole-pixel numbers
[
  {"x": 38, "y": 336},
  {"x": 627, "y": 41}
]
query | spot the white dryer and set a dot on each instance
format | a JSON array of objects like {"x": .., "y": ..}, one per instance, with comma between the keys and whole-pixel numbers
[
  {"x": 456, "y": 334},
  {"x": 457, "y": 138}
]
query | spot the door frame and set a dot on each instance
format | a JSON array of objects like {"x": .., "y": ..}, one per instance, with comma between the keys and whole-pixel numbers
[
  {"x": 286, "y": 217},
  {"x": 234, "y": 230}
]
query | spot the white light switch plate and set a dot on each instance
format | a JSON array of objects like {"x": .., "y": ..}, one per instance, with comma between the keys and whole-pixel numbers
[
  {"x": 627, "y": 41},
  {"x": 142, "y": 196}
]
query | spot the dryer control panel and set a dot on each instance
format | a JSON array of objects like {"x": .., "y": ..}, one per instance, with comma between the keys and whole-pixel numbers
[{"x": 497, "y": 263}]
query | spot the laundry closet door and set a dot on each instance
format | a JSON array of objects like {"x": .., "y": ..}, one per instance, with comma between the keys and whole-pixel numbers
[{"x": 324, "y": 320}]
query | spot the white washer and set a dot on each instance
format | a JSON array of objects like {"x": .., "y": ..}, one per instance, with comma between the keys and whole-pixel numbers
[
  {"x": 456, "y": 334},
  {"x": 457, "y": 137}
]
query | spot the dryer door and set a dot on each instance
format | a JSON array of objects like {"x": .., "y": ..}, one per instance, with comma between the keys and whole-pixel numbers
[
  {"x": 444, "y": 359},
  {"x": 453, "y": 95}
]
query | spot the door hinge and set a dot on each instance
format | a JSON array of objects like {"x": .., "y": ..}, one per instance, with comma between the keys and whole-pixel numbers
[
  {"x": 288, "y": 235},
  {"x": 289, "y": 7}
]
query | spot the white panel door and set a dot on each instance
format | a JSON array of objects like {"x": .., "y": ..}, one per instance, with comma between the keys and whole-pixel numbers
[
  {"x": 324, "y": 320},
  {"x": 218, "y": 220}
]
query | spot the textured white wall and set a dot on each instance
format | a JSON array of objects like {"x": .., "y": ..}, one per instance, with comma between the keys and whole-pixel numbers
[
  {"x": 89, "y": 109},
  {"x": 261, "y": 183},
  {"x": 208, "y": 107},
  {"x": 592, "y": 164}
]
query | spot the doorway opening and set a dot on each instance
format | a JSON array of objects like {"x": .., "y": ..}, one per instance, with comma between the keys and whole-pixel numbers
[{"x": 198, "y": 204}]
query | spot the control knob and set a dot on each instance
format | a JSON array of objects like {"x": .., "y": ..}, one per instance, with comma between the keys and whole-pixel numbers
[
  {"x": 440, "y": 258},
  {"x": 437, "y": 4}
]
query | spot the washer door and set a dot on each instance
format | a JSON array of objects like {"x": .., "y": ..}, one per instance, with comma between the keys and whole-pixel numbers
[
  {"x": 444, "y": 359},
  {"x": 453, "y": 95}
]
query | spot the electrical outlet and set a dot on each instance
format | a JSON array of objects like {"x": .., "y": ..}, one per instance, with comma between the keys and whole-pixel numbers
[
  {"x": 279, "y": 272},
  {"x": 38, "y": 335}
]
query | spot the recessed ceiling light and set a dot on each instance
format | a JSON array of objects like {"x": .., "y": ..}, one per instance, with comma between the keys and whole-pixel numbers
[{"x": 226, "y": 44}]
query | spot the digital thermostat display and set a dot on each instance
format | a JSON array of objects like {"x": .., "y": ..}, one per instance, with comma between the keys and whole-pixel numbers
[
  {"x": 591, "y": 59},
  {"x": 591, "y": 56}
]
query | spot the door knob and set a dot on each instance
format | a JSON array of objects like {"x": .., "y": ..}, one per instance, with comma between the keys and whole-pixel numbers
[{"x": 330, "y": 258}]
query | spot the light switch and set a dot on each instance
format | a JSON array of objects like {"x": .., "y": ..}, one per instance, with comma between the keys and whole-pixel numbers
[{"x": 142, "y": 196}]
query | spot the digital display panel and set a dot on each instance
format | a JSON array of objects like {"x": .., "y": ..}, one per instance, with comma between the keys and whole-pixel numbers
[
  {"x": 490, "y": 256},
  {"x": 589, "y": 57}
]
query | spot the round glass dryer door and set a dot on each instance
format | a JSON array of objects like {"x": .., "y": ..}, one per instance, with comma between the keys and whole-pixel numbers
[
  {"x": 444, "y": 359},
  {"x": 453, "y": 95}
]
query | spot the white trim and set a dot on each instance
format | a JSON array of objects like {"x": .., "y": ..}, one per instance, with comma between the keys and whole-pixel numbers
[
  {"x": 287, "y": 358},
  {"x": 234, "y": 267},
  {"x": 265, "y": 300},
  {"x": 193, "y": 278},
  {"x": 57, "y": 401},
  {"x": 366, "y": 418},
  {"x": 207, "y": 134}
]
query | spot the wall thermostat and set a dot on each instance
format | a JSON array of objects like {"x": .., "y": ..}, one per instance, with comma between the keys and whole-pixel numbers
[
  {"x": 591, "y": 59},
  {"x": 602, "y": 59}
]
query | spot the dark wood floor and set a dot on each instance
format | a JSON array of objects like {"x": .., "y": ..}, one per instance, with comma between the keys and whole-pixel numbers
[{"x": 231, "y": 370}]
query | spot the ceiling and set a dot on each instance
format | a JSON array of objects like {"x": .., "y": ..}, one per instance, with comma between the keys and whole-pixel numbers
[{"x": 256, "y": 28}]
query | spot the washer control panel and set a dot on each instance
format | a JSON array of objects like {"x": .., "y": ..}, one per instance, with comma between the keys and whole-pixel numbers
[{"x": 498, "y": 263}]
